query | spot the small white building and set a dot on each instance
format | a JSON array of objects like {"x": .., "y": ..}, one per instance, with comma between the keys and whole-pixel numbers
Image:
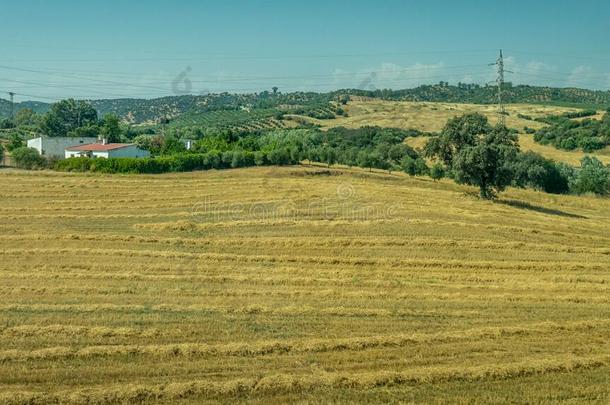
[
  {"x": 107, "y": 150},
  {"x": 188, "y": 143},
  {"x": 55, "y": 146}
]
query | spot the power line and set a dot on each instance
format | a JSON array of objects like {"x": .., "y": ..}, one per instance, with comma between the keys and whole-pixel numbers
[
  {"x": 36, "y": 96},
  {"x": 252, "y": 57},
  {"x": 571, "y": 74},
  {"x": 83, "y": 78},
  {"x": 165, "y": 91},
  {"x": 327, "y": 82},
  {"x": 566, "y": 80},
  {"x": 46, "y": 85},
  {"x": 318, "y": 82},
  {"x": 560, "y": 55},
  {"x": 244, "y": 78}
]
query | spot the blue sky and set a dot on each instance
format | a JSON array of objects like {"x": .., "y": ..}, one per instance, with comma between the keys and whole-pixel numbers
[{"x": 111, "y": 48}]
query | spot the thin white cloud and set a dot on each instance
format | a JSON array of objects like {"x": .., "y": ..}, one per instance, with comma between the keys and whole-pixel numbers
[
  {"x": 579, "y": 75},
  {"x": 531, "y": 72},
  {"x": 467, "y": 79},
  {"x": 390, "y": 75}
]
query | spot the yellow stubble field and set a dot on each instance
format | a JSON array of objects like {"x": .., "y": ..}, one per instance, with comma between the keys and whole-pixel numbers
[{"x": 298, "y": 283}]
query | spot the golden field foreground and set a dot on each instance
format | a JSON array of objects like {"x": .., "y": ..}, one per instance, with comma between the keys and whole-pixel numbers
[{"x": 285, "y": 284}]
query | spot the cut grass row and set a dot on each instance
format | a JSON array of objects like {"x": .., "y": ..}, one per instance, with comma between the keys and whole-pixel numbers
[{"x": 145, "y": 301}]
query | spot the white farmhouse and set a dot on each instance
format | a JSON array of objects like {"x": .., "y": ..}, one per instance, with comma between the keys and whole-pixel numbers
[
  {"x": 107, "y": 150},
  {"x": 55, "y": 146}
]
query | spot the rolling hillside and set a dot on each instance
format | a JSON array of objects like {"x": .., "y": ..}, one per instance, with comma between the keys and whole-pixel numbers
[
  {"x": 139, "y": 111},
  {"x": 298, "y": 284},
  {"x": 527, "y": 143},
  {"x": 474, "y": 93},
  {"x": 431, "y": 117},
  {"x": 380, "y": 108},
  {"x": 38, "y": 106}
]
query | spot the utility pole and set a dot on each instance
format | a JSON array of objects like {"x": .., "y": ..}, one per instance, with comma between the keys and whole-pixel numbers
[
  {"x": 500, "y": 82},
  {"x": 10, "y": 93}
]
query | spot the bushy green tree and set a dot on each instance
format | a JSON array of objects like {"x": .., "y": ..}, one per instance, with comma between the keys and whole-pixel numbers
[
  {"x": 376, "y": 160},
  {"x": 26, "y": 116},
  {"x": 259, "y": 158},
  {"x": 328, "y": 155},
  {"x": 488, "y": 164},
  {"x": 151, "y": 143},
  {"x": 458, "y": 133},
  {"x": 593, "y": 177},
  {"x": 210, "y": 143},
  {"x": 350, "y": 157},
  {"x": 87, "y": 131},
  {"x": 172, "y": 145},
  {"x": 111, "y": 128},
  {"x": 363, "y": 159},
  {"x": 27, "y": 158},
  {"x": 533, "y": 170},
  {"x": 6, "y": 123},
  {"x": 67, "y": 115},
  {"x": 15, "y": 142},
  {"x": 421, "y": 168},
  {"x": 437, "y": 171},
  {"x": 407, "y": 165},
  {"x": 476, "y": 153},
  {"x": 279, "y": 157}
]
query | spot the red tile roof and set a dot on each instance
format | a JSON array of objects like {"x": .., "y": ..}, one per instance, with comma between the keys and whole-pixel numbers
[{"x": 93, "y": 147}]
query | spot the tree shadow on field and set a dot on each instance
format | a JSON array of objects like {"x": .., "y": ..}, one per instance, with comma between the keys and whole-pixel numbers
[{"x": 536, "y": 208}]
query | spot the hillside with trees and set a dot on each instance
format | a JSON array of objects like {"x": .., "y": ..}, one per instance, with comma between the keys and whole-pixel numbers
[
  {"x": 138, "y": 111},
  {"x": 488, "y": 94},
  {"x": 36, "y": 106},
  {"x": 569, "y": 134}
]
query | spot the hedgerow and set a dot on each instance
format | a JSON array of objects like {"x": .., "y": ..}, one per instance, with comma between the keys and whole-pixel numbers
[{"x": 177, "y": 163}]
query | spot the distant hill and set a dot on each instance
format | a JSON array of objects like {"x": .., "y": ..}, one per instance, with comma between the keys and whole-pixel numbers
[
  {"x": 38, "y": 106},
  {"x": 473, "y": 93},
  {"x": 138, "y": 111}
]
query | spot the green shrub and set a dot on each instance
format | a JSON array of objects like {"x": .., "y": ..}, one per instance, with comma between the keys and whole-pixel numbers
[
  {"x": 592, "y": 177},
  {"x": 259, "y": 158},
  {"x": 533, "y": 170},
  {"x": 564, "y": 133},
  {"x": 79, "y": 164},
  {"x": 407, "y": 165},
  {"x": 28, "y": 158},
  {"x": 183, "y": 162},
  {"x": 437, "y": 171}
]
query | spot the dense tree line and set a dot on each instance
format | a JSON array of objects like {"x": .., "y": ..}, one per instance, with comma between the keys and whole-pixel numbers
[
  {"x": 468, "y": 150},
  {"x": 178, "y": 163},
  {"x": 137, "y": 111},
  {"x": 473, "y": 152},
  {"x": 69, "y": 118},
  {"x": 487, "y": 94},
  {"x": 369, "y": 147},
  {"x": 565, "y": 133},
  {"x": 79, "y": 118}
]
